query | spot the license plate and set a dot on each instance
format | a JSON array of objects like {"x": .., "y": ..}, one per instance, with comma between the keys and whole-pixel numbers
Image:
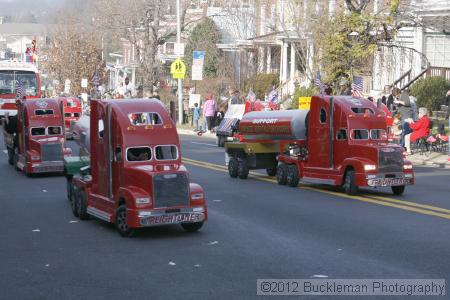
[
  {"x": 388, "y": 181},
  {"x": 172, "y": 219}
]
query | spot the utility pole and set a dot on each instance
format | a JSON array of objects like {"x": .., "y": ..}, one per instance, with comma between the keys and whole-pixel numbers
[{"x": 180, "y": 85}]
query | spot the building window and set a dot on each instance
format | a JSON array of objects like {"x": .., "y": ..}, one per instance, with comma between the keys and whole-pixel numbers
[{"x": 437, "y": 49}]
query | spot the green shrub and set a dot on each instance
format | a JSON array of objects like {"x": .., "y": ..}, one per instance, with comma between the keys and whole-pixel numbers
[
  {"x": 430, "y": 92},
  {"x": 261, "y": 84}
]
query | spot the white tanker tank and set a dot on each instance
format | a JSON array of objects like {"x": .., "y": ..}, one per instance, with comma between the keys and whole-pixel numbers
[
  {"x": 274, "y": 125},
  {"x": 81, "y": 131}
]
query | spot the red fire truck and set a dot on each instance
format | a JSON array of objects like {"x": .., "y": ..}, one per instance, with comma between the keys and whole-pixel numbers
[
  {"x": 71, "y": 110},
  {"x": 11, "y": 73},
  {"x": 340, "y": 141},
  {"x": 130, "y": 172},
  {"x": 34, "y": 137}
]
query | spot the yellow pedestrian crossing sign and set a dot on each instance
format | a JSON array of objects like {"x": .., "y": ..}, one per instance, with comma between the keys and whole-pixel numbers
[{"x": 178, "y": 69}]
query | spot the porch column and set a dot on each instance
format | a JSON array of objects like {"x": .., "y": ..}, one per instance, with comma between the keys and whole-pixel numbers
[
  {"x": 269, "y": 59},
  {"x": 260, "y": 60},
  {"x": 284, "y": 62}
]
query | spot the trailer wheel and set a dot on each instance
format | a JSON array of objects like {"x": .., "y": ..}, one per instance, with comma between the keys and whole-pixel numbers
[
  {"x": 192, "y": 227},
  {"x": 271, "y": 171},
  {"x": 81, "y": 205},
  {"x": 349, "y": 183},
  {"x": 233, "y": 167},
  {"x": 292, "y": 176},
  {"x": 282, "y": 170},
  {"x": 220, "y": 140},
  {"x": 74, "y": 202},
  {"x": 121, "y": 222},
  {"x": 398, "y": 190},
  {"x": 10, "y": 156},
  {"x": 243, "y": 169}
]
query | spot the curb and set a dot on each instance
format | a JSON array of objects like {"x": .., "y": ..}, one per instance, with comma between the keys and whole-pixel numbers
[
  {"x": 191, "y": 132},
  {"x": 429, "y": 163}
]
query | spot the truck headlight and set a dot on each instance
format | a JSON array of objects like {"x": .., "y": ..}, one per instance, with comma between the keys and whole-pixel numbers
[
  {"x": 197, "y": 196},
  {"x": 407, "y": 167},
  {"x": 370, "y": 167},
  {"x": 143, "y": 200}
]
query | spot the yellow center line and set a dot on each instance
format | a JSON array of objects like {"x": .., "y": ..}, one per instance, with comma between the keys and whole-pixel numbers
[{"x": 380, "y": 200}]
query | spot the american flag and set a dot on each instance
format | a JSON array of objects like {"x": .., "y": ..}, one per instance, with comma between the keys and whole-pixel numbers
[
  {"x": 318, "y": 82},
  {"x": 20, "y": 90},
  {"x": 357, "y": 86}
]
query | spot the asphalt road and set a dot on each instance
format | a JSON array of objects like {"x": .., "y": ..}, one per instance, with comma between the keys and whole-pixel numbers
[{"x": 257, "y": 229}]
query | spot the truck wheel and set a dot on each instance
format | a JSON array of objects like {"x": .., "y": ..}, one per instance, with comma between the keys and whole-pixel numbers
[
  {"x": 192, "y": 227},
  {"x": 282, "y": 174},
  {"x": 398, "y": 190},
  {"x": 243, "y": 169},
  {"x": 81, "y": 205},
  {"x": 74, "y": 201},
  {"x": 233, "y": 167},
  {"x": 121, "y": 222},
  {"x": 292, "y": 176},
  {"x": 69, "y": 188},
  {"x": 220, "y": 140},
  {"x": 10, "y": 156},
  {"x": 271, "y": 171},
  {"x": 349, "y": 183}
]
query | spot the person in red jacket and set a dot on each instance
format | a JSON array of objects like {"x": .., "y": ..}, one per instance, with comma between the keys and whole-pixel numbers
[{"x": 421, "y": 128}]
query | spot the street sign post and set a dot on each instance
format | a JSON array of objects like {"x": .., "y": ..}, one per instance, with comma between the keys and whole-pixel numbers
[{"x": 178, "y": 49}]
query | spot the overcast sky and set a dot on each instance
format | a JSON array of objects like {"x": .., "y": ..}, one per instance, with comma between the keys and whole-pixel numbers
[{"x": 17, "y": 7}]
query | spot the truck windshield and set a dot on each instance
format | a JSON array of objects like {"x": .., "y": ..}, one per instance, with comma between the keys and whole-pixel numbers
[
  {"x": 26, "y": 78},
  {"x": 41, "y": 112},
  {"x": 144, "y": 118},
  {"x": 378, "y": 134},
  {"x": 139, "y": 154},
  {"x": 363, "y": 110},
  {"x": 54, "y": 130},
  {"x": 167, "y": 152},
  {"x": 37, "y": 131}
]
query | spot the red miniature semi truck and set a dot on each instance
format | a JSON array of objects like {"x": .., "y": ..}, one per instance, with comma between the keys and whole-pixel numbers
[
  {"x": 340, "y": 141},
  {"x": 130, "y": 171},
  {"x": 34, "y": 137},
  {"x": 71, "y": 110}
]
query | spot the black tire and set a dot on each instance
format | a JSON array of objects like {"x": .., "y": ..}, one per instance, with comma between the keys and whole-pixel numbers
[
  {"x": 243, "y": 170},
  {"x": 271, "y": 171},
  {"x": 16, "y": 160},
  {"x": 292, "y": 178},
  {"x": 220, "y": 140},
  {"x": 192, "y": 227},
  {"x": 121, "y": 222},
  {"x": 10, "y": 156},
  {"x": 69, "y": 188},
  {"x": 282, "y": 170},
  {"x": 398, "y": 190},
  {"x": 349, "y": 183},
  {"x": 81, "y": 205},
  {"x": 233, "y": 167},
  {"x": 74, "y": 201}
]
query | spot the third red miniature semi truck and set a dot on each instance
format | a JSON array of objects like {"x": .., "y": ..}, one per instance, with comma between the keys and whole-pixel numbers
[
  {"x": 340, "y": 141},
  {"x": 131, "y": 172}
]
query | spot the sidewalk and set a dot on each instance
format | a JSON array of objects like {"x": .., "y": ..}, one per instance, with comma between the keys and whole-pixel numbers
[{"x": 432, "y": 159}]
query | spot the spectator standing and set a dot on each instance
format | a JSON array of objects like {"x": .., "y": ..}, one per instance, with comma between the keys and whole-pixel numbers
[
  {"x": 421, "y": 128},
  {"x": 406, "y": 113},
  {"x": 196, "y": 116},
  {"x": 209, "y": 111},
  {"x": 391, "y": 98},
  {"x": 234, "y": 97}
]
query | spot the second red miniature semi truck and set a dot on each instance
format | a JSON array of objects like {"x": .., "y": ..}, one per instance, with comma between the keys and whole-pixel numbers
[
  {"x": 340, "y": 141},
  {"x": 34, "y": 137},
  {"x": 130, "y": 172}
]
